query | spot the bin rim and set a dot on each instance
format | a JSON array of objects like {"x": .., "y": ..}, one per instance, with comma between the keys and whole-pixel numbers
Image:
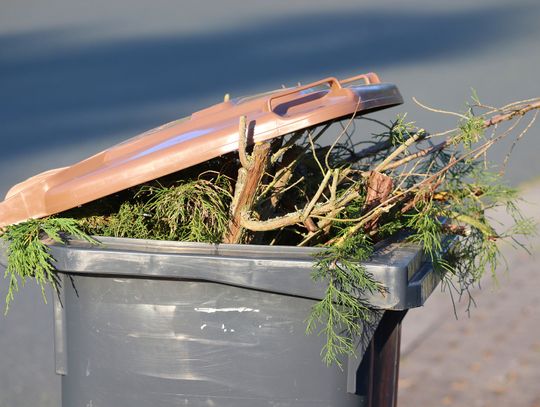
[{"x": 283, "y": 270}]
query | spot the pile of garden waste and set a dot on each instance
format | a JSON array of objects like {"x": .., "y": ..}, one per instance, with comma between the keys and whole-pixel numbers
[{"x": 343, "y": 195}]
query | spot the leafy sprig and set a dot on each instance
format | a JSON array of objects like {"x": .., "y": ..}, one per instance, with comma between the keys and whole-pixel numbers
[
  {"x": 343, "y": 310},
  {"x": 29, "y": 256}
]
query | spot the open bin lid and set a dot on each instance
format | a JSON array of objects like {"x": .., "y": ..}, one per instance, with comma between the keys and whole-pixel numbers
[{"x": 204, "y": 135}]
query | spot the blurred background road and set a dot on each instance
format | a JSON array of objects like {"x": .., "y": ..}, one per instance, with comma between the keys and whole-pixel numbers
[{"x": 77, "y": 77}]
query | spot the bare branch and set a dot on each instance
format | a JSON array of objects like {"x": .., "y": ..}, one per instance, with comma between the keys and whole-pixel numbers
[
  {"x": 242, "y": 143},
  {"x": 297, "y": 216},
  {"x": 431, "y": 109},
  {"x": 247, "y": 184}
]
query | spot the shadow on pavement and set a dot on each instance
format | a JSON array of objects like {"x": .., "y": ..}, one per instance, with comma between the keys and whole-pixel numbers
[{"x": 55, "y": 94}]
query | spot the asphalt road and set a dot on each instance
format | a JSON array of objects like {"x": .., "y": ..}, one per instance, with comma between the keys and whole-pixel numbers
[{"x": 77, "y": 77}]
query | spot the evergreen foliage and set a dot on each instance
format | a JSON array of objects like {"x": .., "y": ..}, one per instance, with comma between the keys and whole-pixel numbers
[
  {"x": 28, "y": 254},
  {"x": 343, "y": 305},
  {"x": 195, "y": 211}
]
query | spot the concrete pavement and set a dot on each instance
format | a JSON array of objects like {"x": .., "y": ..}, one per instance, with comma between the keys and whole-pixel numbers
[{"x": 491, "y": 358}]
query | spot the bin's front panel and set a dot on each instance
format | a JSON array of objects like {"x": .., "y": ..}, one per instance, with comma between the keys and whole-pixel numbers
[{"x": 150, "y": 342}]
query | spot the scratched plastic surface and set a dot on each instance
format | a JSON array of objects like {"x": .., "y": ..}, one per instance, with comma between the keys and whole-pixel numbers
[
  {"x": 153, "y": 323},
  {"x": 140, "y": 343}
]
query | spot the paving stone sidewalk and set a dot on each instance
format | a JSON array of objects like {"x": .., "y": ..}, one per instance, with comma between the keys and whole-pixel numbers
[{"x": 489, "y": 359}]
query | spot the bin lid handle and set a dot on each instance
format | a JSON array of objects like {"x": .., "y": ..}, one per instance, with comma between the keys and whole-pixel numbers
[{"x": 333, "y": 82}]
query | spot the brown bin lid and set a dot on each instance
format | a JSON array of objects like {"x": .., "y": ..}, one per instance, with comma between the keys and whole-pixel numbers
[{"x": 207, "y": 134}]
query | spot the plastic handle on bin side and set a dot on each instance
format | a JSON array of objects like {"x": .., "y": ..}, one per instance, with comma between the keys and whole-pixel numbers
[
  {"x": 334, "y": 85},
  {"x": 370, "y": 78}
]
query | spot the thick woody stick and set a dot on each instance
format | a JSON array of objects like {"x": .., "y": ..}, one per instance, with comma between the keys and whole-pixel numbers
[{"x": 249, "y": 178}]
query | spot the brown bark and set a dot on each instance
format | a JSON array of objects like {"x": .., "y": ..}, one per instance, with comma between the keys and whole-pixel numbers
[
  {"x": 246, "y": 189},
  {"x": 509, "y": 116},
  {"x": 379, "y": 187}
]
